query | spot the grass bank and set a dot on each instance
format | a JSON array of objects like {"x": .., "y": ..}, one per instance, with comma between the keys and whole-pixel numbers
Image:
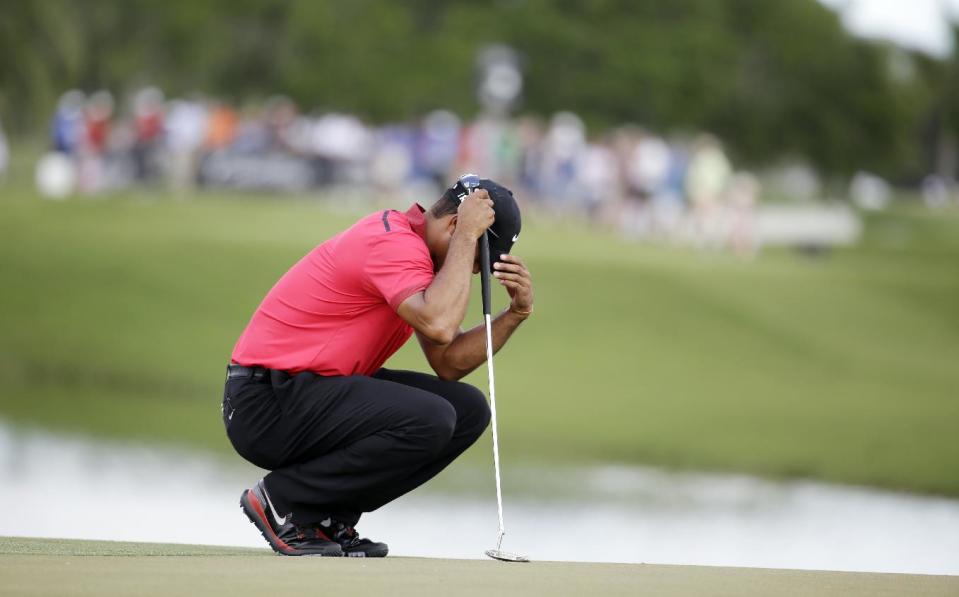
[
  {"x": 118, "y": 316},
  {"x": 101, "y": 569}
]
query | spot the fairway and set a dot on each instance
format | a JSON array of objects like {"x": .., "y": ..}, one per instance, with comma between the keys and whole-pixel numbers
[
  {"x": 119, "y": 316},
  {"x": 61, "y": 567}
]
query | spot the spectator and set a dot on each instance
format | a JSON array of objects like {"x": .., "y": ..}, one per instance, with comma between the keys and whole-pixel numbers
[
  {"x": 279, "y": 116},
  {"x": 92, "y": 146},
  {"x": 186, "y": 123},
  {"x": 647, "y": 171},
  {"x": 706, "y": 180},
  {"x": 597, "y": 179},
  {"x": 148, "y": 131},
  {"x": 742, "y": 197},
  {"x": 565, "y": 139},
  {"x": 437, "y": 145},
  {"x": 530, "y": 134},
  {"x": 391, "y": 162},
  {"x": 221, "y": 127},
  {"x": 67, "y": 128}
]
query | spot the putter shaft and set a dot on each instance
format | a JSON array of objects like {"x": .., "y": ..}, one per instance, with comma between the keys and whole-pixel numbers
[{"x": 492, "y": 402}]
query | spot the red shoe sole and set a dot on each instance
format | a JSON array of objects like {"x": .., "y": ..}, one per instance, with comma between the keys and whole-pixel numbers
[{"x": 254, "y": 510}]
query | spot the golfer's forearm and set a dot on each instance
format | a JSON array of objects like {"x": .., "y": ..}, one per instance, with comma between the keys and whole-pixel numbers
[
  {"x": 447, "y": 297},
  {"x": 468, "y": 350}
]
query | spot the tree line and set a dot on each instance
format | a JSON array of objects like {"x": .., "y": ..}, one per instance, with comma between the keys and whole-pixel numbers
[{"x": 773, "y": 79}]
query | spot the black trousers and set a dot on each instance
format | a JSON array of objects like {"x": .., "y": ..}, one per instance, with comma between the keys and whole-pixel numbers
[{"x": 341, "y": 446}]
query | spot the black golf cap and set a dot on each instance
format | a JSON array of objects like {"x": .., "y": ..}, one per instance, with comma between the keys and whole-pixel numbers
[{"x": 506, "y": 228}]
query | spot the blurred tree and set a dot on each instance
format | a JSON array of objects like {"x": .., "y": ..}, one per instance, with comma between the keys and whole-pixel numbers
[
  {"x": 40, "y": 48},
  {"x": 802, "y": 85},
  {"x": 772, "y": 78},
  {"x": 940, "y": 130}
]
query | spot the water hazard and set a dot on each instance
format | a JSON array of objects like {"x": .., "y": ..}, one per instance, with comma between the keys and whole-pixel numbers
[{"x": 72, "y": 487}]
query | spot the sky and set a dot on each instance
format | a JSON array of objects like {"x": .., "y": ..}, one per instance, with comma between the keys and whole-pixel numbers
[{"x": 919, "y": 24}]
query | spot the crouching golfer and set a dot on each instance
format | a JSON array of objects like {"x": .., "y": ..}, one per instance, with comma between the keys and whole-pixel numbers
[{"x": 307, "y": 398}]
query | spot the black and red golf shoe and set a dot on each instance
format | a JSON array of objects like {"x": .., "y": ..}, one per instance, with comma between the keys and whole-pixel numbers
[
  {"x": 350, "y": 541},
  {"x": 283, "y": 536}
]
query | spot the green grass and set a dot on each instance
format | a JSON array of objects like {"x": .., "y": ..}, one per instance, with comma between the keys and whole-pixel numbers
[
  {"x": 30, "y": 546},
  {"x": 102, "y": 568},
  {"x": 117, "y": 318}
]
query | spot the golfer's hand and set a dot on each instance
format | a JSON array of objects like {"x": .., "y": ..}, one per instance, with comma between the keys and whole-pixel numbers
[
  {"x": 512, "y": 273},
  {"x": 475, "y": 214}
]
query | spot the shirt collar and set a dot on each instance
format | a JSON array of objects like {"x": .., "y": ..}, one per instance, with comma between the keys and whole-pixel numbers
[{"x": 417, "y": 220}]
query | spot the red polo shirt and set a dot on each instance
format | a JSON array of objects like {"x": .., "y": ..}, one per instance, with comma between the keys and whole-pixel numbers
[{"x": 334, "y": 312}]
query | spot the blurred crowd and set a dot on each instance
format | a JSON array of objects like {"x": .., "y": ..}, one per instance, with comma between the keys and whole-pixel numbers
[{"x": 682, "y": 189}]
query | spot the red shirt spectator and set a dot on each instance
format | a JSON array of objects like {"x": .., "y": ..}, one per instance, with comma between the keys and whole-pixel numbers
[
  {"x": 97, "y": 131},
  {"x": 149, "y": 126}
]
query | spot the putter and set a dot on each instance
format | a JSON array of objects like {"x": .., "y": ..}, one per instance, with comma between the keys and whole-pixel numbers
[{"x": 469, "y": 182}]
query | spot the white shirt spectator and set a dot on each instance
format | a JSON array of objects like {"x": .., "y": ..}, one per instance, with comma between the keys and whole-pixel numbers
[
  {"x": 597, "y": 174},
  {"x": 649, "y": 165},
  {"x": 185, "y": 125}
]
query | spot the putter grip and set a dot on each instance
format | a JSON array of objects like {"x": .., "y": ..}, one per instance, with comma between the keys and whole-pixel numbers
[{"x": 484, "y": 272}]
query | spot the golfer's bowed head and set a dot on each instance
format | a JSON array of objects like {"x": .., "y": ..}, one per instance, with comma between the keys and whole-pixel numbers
[
  {"x": 505, "y": 230},
  {"x": 500, "y": 238}
]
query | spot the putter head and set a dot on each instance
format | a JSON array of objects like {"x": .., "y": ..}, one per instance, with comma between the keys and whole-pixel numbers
[{"x": 505, "y": 556}]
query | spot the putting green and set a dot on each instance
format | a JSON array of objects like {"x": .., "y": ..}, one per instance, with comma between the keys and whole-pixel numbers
[{"x": 103, "y": 568}]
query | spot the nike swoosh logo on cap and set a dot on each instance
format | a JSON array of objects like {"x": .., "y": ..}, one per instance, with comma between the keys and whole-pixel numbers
[{"x": 515, "y": 237}]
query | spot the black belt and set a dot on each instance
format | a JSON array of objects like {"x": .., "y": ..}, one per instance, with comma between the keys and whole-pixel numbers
[{"x": 234, "y": 371}]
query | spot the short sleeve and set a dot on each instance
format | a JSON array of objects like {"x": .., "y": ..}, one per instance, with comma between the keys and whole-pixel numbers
[{"x": 398, "y": 266}]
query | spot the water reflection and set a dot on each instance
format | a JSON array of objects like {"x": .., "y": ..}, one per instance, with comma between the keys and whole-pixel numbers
[{"x": 78, "y": 488}]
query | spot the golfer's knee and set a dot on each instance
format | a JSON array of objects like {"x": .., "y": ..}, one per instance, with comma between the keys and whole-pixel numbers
[
  {"x": 436, "y": 427},
  {"x": 476, "y": 413}
]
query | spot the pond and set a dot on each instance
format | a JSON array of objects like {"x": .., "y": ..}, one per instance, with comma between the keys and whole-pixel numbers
[{"x": 75, "y": 487}]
